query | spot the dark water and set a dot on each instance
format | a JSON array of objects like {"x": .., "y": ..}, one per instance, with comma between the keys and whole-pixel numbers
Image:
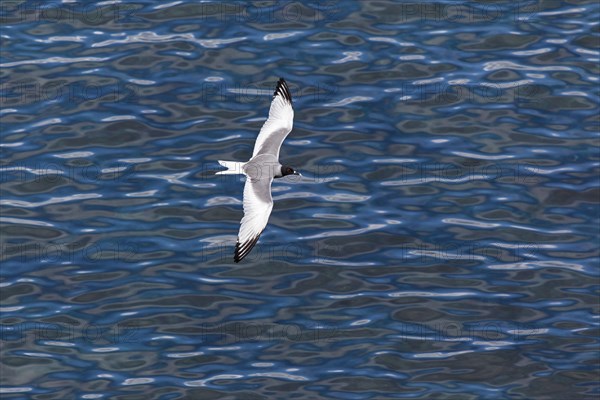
[{"x": 442, "y": 245}]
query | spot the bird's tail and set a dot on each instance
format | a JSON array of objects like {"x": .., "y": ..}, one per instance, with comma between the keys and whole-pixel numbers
[{"x": 233, "y": 167}]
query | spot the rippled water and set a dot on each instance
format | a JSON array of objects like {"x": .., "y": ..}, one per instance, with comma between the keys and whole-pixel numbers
[{"x": 443, "y": 243}]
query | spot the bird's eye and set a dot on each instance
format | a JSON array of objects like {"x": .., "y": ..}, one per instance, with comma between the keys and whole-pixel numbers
[{"x": 289, "y": 171}]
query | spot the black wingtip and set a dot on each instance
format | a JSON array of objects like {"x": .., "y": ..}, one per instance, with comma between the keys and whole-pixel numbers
[
  {"x": 283, "y": 90},
  {"x": 243, "y": 249}
]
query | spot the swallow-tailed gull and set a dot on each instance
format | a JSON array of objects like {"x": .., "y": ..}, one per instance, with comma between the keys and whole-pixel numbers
[{"x": 261, "y": 169}]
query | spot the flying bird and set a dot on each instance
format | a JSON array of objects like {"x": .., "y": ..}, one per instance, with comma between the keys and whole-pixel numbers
[{"x": 261, "y": 169}]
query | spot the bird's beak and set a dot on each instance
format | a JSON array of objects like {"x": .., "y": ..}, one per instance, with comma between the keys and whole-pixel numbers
[{"x": 297, "y": 173}]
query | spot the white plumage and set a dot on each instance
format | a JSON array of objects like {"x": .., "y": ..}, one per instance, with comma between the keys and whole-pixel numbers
[{"x": 261, "y": 169}]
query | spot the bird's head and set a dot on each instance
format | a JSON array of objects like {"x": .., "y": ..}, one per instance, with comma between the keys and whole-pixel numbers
[{"x": 287, "y": 170}]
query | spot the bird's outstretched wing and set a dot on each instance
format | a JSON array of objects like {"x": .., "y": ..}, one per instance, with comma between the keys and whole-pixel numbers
[
  {"x": 258, "y": 204},
  {"x": 279, "y": 124}
]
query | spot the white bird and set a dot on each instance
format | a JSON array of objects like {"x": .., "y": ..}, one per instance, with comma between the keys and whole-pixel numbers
[{"x": 261, "y": 169}]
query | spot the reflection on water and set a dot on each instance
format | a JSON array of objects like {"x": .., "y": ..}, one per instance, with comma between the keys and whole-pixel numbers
[{"x": 443, "y": 240}]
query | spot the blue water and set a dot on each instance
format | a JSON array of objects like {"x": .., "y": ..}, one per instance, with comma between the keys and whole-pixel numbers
[{"x": 443, "y": 243}]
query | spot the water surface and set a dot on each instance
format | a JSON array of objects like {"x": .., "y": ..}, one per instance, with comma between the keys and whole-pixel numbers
[{"x": 443, "y": 243}]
